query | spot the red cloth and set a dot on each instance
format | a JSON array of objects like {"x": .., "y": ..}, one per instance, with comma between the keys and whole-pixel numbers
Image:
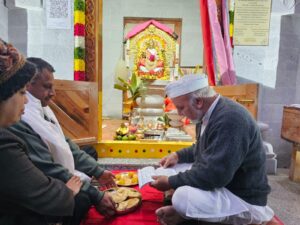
[
  {"x": 278, "y": 220},
  {"x": 207, "y": 42},
  {"x": 145, "y": 214}
]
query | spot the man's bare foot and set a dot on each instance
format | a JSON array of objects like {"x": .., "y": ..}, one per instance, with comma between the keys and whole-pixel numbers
[{"x": 167, "y": 215}]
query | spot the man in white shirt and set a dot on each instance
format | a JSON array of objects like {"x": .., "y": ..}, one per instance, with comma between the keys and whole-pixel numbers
[{"x": 53, "y": 153}]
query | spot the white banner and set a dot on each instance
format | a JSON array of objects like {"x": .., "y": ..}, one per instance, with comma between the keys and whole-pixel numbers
[{"x": 58, "y": 14}]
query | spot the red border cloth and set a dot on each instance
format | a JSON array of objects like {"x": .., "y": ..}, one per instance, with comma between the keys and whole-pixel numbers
[
  {"x": 207, "y": 42},
  {"x": 145, "y": 214},
  {"x": 278, "y": 220}
]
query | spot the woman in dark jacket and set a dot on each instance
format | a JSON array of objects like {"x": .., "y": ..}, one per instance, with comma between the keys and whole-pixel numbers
[{"x": 27, "y": 196}]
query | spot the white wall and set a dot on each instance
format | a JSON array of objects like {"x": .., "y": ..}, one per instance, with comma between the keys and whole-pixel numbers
[
  {"x": 54, "y": 45},
  {"x": 113, "y": 14},
  {"x": 17, "y": 28},
  {"x": 3, "y": 21},
  {"x": 25, "y": 27}
]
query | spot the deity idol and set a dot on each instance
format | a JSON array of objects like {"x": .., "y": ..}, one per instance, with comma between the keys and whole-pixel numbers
[{"x": 150, "y": 62}]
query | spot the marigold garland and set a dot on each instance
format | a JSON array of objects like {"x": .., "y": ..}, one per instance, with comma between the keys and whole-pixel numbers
[
  {"x": 79, "y": 40},
  {"x": 231, "y": 19}
]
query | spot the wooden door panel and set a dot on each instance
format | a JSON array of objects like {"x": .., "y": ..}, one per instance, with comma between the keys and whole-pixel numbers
[
  {"x": 76, "y": 108},
  {"x": 245, "y": 94}
]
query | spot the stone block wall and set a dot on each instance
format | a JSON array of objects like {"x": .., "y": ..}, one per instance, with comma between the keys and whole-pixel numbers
[{"x": 286, "y": 89}]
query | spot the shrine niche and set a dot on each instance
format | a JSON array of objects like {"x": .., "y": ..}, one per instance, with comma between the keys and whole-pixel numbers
[{"x": 152, "y": 51}]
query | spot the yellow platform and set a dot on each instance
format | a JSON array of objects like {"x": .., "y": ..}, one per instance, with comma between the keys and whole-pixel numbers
[{"x": 138, "y": 149}]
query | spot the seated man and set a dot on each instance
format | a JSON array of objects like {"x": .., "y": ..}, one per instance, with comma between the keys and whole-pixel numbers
[
  {"x": 27, "y": 196},
  {"x": 227, "y": 183},
  {"x": 53, "y": 153}
]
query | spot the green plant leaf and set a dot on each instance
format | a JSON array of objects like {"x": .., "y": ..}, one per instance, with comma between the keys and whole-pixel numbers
[
  {"x": 120, "y": 87},
  {"x": 167, "y": 119},
  {"x": 133, "y": 84},
  {"x": 122, "y": 80},
  {"x": 136, "y": 86},
  {"x": 125, "y": 84},
  {"x": 160, "y": 119},
  {"x": 136, "y": 95}
]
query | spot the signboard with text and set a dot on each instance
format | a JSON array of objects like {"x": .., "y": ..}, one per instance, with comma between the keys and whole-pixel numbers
[{"x": 251, "y": 22}]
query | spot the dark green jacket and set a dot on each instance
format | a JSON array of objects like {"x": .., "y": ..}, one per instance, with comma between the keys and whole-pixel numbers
[
  {"x": 26, "y": 194},
  {"x": 41, "y": 157}
]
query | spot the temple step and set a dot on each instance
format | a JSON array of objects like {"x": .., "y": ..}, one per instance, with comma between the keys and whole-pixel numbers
[{"x": 127, "y": 163}]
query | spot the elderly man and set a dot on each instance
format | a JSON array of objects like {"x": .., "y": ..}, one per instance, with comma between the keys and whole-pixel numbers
[
  {"x": 227, "y": 182},
  {"x": 53, "y": 153}
]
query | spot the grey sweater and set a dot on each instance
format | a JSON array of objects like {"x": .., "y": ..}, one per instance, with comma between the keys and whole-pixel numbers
[
  {"x": 41, "y": 157},
  {"x": 229, "y": 154}
]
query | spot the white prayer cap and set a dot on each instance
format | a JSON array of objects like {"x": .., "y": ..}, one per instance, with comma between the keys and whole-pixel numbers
[{"x": 186, "y": 84}]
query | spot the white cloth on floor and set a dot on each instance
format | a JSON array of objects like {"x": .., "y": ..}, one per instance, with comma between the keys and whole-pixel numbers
[
  {"x": 219, "y": 205},
  {"x": 51, "y": 133}
]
